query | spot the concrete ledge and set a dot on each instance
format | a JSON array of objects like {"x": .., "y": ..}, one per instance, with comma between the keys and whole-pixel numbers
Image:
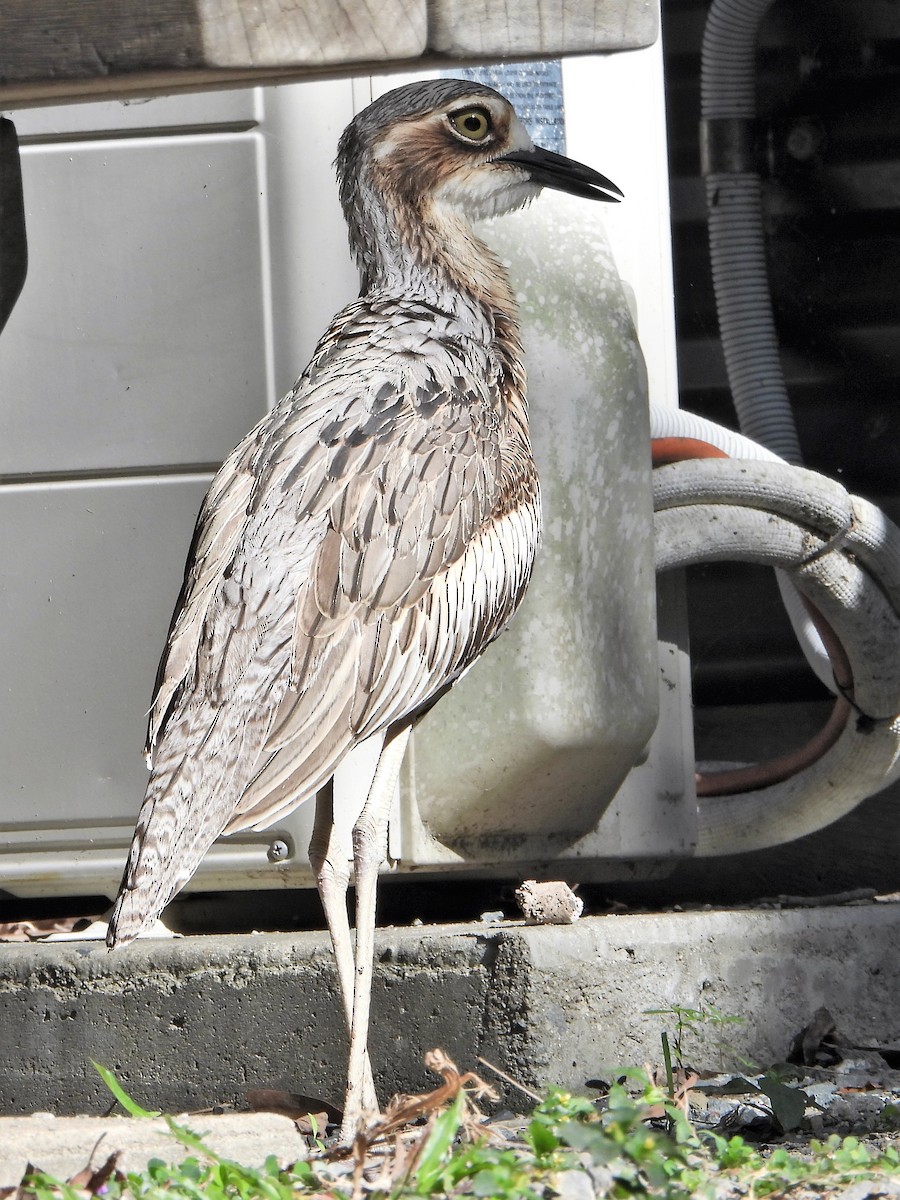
[
  {"x": 62, "y": 1146},
  {"x": 193, "y": 1023}
]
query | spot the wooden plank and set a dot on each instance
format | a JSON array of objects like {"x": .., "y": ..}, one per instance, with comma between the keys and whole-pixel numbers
[
  {"x": 54, "y": 48},
  {"x": 540, "y": 28},
  {"x": 278, "y": 33},
  {"x": 52, "y": 51}
]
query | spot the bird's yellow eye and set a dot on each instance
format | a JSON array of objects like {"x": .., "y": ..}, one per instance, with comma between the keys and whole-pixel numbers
[{"x": 473, "y": 123}]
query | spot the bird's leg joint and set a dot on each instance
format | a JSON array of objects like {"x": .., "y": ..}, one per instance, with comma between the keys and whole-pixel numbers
[
  {"x": 369, "y": 837},
  {"x": 330, "y": 870}
]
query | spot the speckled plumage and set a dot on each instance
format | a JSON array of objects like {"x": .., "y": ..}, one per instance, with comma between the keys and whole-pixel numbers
[
  {"x": 370, "y": 537},
  {"x": 354, "y": 554}
]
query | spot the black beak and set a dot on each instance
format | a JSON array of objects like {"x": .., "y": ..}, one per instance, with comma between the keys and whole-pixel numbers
[{"x": 555, "y": 171}]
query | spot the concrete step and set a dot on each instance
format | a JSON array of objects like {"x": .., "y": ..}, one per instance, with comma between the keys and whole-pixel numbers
[
  {"x": 193, "y": 1023},
  {"x": 63, "y": 1146}
]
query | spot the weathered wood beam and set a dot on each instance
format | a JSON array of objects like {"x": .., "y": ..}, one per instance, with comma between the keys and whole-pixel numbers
[{"x": 52, "y": 51}]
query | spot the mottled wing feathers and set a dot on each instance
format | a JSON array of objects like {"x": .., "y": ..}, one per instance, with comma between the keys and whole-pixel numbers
[
  {"x": 407, "y": 475},
  {"x": 354, "y": 554},
  {"x": 220, "y": 526}
]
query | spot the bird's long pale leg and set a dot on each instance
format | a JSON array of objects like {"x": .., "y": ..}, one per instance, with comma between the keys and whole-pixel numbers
[
  {"x": 329, "y": 856},
  {"x": 369, "y": 850}
]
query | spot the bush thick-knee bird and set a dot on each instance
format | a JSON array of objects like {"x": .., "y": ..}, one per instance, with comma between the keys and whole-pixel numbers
[{"x": 369, "y": 537}]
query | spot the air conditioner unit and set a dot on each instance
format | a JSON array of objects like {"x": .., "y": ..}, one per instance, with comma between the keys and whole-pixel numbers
[{"x": 186, "y": 253}]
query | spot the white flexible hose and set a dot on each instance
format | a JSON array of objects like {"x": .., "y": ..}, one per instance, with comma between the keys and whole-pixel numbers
[
  {"x": 736, "y": 235},
  {"x": 844, "y": 555},
  {"x": 676, "y": 423},
  {"x": 736, "y": 520}
]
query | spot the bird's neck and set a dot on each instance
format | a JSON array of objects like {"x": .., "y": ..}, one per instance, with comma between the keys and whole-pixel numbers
[
  {"x": 435, "y": 257},
  {"x": 431, "y": 253}
]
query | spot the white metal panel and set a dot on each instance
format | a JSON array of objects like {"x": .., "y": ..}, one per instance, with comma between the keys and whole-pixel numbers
[
  {"x": 87, "y": 578},
  {"x": 88, "y": 575},
  {"x": 140, "y": 336},
  {"x": 141, "y": 342},
  {"x": 616, "y": 121},
  {"x": 238, "y": 106},
  {"x": 312, "y": 275}
]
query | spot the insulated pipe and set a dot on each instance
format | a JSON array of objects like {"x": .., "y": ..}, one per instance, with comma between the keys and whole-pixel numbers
[
  {"x": 844, "y": 555},
  {"x": 736, "y": 237},
  {"x": 818, "y": 641},
  {"x": 677, "y": 435}
]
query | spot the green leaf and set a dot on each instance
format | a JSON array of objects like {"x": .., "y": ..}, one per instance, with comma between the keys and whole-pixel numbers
[
  {"x": 431, "y": 1161},
  {"x": 667, "y": 1058},
  {"x": 303, "y": 1172},
  {"x": 130, "y": 1106},
  {"x": 191, "y": 1140},
  {"x": 542, "y": 1139},
  {"x": 493, "y": 1182},
  {"x": 590, "y": 1138},
  {"x": 48, "y": 1187}
]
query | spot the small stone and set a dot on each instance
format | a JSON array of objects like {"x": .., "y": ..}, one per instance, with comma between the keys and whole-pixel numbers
[
  {"x": 551, "y": 903},
  {"x": 492, "y": 918}
]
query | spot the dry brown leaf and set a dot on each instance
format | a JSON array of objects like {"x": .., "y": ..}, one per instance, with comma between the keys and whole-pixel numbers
[
  {"x": 312, "y": 1124},
  {"x": 98, "y": 1180},
  {"x": 294, "y": 1105},
  {"x": 34, "y": 931},
  {"x": 403, "y": 1110},
  {"x": 21, "y": 1192},
  {"x": 360, "y": 1154},
  {"x": 398, "y": 1159},
  {"x": 682, "y": 1081},
  {"x": 405, "y": 1153}
]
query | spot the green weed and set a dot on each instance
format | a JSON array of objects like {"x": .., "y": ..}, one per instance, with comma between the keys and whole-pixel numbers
[{"x": 621, "y": 1144}]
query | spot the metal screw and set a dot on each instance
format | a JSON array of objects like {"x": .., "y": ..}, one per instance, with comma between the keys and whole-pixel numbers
[{"x": 278, "y": 851}]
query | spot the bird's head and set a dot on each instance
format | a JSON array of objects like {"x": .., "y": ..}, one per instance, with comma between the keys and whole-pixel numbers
[{"x": 449, "y": 146}]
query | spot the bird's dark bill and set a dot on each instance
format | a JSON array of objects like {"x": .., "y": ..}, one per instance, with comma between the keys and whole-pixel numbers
[{"x": 556, "y": 171}]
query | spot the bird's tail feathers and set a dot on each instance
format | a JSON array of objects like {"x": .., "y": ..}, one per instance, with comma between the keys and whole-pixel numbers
[{"x": 201, "y": 767}]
